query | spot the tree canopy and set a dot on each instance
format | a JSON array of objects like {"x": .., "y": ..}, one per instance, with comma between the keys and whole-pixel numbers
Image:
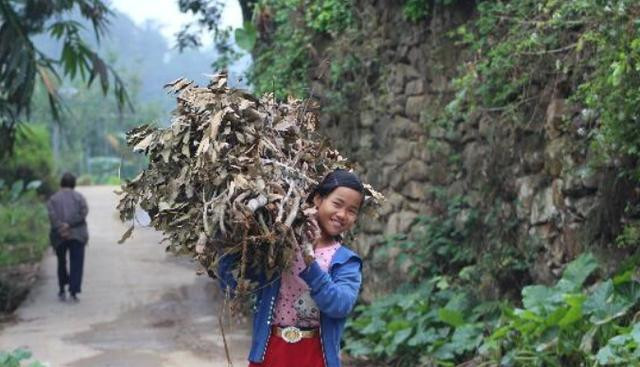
[{"x": 22, "y": 64}]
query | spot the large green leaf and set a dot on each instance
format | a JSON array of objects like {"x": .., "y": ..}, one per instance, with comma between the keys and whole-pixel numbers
[
  {"x": 451, "y": 317},
  {"x": 603, "y": 305},
  {"x": 539, "y": 298},
  {"x": 246, "y": 36},
  {"x": 579, "y": 269}
]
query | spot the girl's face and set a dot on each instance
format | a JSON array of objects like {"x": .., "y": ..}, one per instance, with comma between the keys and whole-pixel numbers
[{"x": 338, "y": 211}]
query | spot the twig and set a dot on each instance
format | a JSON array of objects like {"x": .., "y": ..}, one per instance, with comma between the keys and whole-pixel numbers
[
  {"x": 554, "y": 51},
  {"x": 294, "y": 210},
  {"x": 291, "y": 169},
  {"x": 224, "y": 337},
  {"x": 284, "y": 200}
]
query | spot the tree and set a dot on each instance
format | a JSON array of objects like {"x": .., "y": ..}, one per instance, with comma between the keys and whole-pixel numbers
[
  {"x": 22, "y": 64},
  {"x": 208, "y": 13}
]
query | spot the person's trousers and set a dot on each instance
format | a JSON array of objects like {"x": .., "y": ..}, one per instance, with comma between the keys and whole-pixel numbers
[{"x": 73, "y": 277}]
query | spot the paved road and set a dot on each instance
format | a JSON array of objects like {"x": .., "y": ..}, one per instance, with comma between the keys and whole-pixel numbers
[{"x": 139, "y": 306}]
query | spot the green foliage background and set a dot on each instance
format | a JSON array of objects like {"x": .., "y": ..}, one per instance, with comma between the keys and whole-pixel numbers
[{"x": 519, "y": 55}]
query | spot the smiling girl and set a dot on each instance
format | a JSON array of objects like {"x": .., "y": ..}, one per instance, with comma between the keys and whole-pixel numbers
[{"x": 300, "y": 316}]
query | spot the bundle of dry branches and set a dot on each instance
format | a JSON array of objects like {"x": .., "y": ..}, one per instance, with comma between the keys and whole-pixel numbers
[{"x": 230, "y": 176}]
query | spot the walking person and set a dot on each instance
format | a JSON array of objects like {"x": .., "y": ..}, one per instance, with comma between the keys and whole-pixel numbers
[
  {"x": 300, "y": 314},
  {"x": 67, "y": 213}
]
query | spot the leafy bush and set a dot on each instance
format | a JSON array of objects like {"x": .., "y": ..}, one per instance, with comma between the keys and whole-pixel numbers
[
  {"x": 23, "y": 224},
  {"x": 416, "y": 10},
  {"x": 435, "y": 322},
  {"x": 329, "y": 16},
  {"x": 567, "y": 324},
  {"x": 16, "y": 358},
  {"x": 32, "y": 159},
  {"x": 436, "y": 245},
  {"x": 283, "y": 57},
  {"x": 590, "y": 48}
]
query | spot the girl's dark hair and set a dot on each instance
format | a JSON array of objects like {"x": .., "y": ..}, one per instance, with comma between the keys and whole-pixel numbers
[
  {"x": 68, "y": 180},
  {"x": 335, "y": 179}
]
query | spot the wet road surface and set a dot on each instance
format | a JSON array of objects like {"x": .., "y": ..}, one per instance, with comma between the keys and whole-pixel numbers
[{"x": 139, "y": 306}]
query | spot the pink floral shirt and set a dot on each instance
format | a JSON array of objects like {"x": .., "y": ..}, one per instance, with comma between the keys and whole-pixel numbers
[{"x": 295, "y": 307}]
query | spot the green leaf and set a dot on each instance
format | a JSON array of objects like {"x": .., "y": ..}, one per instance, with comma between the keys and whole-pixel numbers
[
  {"x": 579, "y": 269},
  {"x": 423, "y": 337},
  {"x": 21, "y": 354},
  {"x": 537, "y": 297},
  {"x": 574, "y": 313},
  {"x": 246, "y": 37},
  {"x": 604, "y": 306},
  {"x": 451, "y": 317},
  {"x": 401, "y": 336}
]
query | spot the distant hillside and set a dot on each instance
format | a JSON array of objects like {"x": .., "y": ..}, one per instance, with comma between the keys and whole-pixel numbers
[{"x": 144, "y": 53}]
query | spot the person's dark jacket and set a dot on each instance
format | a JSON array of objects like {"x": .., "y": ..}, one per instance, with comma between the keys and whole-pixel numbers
[{"x": 68, "y": 206}]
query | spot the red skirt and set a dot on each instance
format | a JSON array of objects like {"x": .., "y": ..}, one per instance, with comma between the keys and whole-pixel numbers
[{"x": 307, "y": 352}]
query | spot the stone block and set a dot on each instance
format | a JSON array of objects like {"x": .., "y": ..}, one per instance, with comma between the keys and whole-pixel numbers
[
  {"x": 414, "y": 190},
  {"x": 424, "y": 154},
  {"x": 415, "y": 170},
  {"x": 401, "y": 152},
  {"x": 474, "y": 159},
  {"x": 415, "y": 56},
  {"x": 486, "y": 127},
  {"x": 533, "y": 161},
  {"x": 405, "y": 127},
  {"x": 555, "y": 114},
  {"x": 367, "y": 118},
  {"x": 396, "y": 180},
  {"x": 365, "y": 141},
  {"x": 437, "y": 132},
  {"x": 365, "y": 244},
  {"x": 414, "y": 87},
  {"x": 439, "y": 173},
  {"x": 400, "y": 222},
  {"x": 554, "y": 156},
  {"x": 392, "y": 203},
  {"x": 581, "y": 181},
  {"x": 387, "y": 172},
  {"x": 370, "y": 225},
  {"x": 440, "y": 83},
  {"x": 415, "y": 105},
  {"x": 544, "y": 232},
  {"x": 396, "y": 105},
  {"x": 400, "y": 74},
  {"x": 527, "y": 187},
  {"x": 543, "y": 209},
  {"x": 585, "y": 206},
  {"x": 558, "y": 197},
  {"x": 572, "y": 240}
]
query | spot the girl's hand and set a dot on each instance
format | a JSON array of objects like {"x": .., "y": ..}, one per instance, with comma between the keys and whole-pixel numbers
[{"x": 310, "y": 238}]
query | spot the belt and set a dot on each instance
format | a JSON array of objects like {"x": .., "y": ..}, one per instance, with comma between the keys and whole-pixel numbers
[{"x": 292, "y": 334}]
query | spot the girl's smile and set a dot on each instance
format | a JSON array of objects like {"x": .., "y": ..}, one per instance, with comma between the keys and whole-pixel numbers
[{"x": 337, "y": 212}]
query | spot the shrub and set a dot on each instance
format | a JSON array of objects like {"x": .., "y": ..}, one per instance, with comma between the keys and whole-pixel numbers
[
  {"x": 23, "y": 224},
  {"x": 32, "y": 159}
]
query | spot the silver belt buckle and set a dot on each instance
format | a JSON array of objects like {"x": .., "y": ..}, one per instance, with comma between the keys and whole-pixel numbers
[{"x": 291, "y": 334}]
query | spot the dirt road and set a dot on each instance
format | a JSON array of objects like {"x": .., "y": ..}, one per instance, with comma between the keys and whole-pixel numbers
[{"x": 139, "y": 306}]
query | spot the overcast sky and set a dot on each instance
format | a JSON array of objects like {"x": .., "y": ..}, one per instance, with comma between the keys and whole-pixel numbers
[{"x": 166, "y": 14}]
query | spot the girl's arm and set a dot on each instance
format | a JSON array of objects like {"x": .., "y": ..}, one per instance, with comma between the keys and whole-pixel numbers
[
  {"x": 335, "y": 297},
  {"x": 225, "y": 276}
]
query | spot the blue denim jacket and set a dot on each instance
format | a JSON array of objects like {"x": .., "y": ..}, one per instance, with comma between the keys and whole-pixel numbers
[{"x": 334, "y": 292}]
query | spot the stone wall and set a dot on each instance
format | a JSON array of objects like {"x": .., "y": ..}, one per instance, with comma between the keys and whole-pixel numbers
[{"x": 535, "y": 173}]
